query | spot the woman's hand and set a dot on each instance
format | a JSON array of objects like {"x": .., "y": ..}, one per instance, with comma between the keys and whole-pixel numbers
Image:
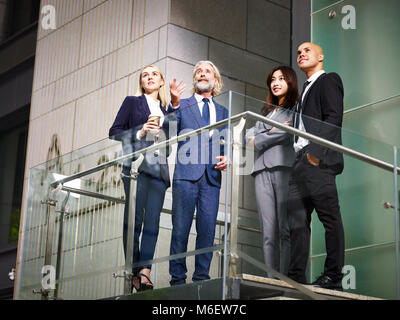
[
  {"x": 251, "y": 141},
  {"x": 176, "y": 91},
  {"x": 151, "y": 124},
  {"x": 287, "y": 123}
]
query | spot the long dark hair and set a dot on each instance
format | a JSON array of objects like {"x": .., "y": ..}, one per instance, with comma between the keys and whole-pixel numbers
[{"x": 292, "y": 93}]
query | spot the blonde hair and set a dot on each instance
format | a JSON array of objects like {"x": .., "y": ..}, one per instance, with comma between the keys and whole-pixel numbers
[
  {"x": 162, "y": 92},
  {"x": 218, "y": 80}
]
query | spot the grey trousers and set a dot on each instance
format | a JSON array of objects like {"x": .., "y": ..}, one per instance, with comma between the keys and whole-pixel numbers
[{"x": 272, "y": 186}]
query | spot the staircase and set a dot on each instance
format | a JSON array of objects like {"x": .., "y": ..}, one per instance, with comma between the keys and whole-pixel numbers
[{"x": 243, "y": 287}]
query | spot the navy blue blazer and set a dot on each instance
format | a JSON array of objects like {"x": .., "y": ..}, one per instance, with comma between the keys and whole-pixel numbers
[
  {"x": 191, "y": 156},
  {"x": 133, "y": 113}
]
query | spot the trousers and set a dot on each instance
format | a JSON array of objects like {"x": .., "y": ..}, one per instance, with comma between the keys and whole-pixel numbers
[
  {"x": 310, "y": 188},
  {"x": 188, "y": 196},
  {"x": 150, "y": 194},
  {"x": 272, "y": 186}
]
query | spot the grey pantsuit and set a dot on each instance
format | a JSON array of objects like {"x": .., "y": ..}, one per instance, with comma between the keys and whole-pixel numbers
[{"x": 272, "y": 168}]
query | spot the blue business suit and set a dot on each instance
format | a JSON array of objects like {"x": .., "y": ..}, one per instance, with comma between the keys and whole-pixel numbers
[
  {"x": 196, "y": 185},
  {"x": 152, "y": 182}
]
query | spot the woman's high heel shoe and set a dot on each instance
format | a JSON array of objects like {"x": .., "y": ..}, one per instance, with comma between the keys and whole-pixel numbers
[
  {"x": 136, "y": 284},
  {"x": 145, "y": 286}
]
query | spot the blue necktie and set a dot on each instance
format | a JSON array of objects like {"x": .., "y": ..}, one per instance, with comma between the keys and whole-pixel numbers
[{"x": 206, "y": 112}]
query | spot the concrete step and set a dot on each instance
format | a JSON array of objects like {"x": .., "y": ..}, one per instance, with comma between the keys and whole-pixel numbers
[{"x": 284, "y": 290}]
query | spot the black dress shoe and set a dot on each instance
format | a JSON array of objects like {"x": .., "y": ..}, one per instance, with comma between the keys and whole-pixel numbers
[{"x": 327, "y": 282}]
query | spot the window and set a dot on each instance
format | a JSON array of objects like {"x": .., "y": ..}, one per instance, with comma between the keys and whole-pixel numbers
[
  {"x": 20, "y": 14},
  {"x": 13, "y": 142}
]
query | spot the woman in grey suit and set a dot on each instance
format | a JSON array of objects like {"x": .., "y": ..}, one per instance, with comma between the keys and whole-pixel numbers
[{"x": 274, "y": 159}]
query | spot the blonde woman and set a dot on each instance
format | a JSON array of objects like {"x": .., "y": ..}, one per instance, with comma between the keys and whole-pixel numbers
[{"x": 136, "y": 129}]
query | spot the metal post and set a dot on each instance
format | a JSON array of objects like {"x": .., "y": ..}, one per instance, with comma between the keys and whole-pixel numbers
[
  {"x": 227, "y": 199},
  {"x": 51, "y": 221},
  {"x": 396, "y": 221},
  {"x": 60, "y": 241},
  {"x": 236, "y": 146},
  {"x": 233, "y": 229},
  {"x": 129, "y": 240}
]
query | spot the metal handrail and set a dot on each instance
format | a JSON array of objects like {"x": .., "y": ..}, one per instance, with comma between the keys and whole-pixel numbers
[
  {"x": 326, "y": 143},
  {"x": 247, "y": 114},
  {"x": 93, "y": 194},
  {"x": 153, "y": 147}
]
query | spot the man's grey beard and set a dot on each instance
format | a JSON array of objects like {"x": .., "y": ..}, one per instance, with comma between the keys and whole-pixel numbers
[{"x": 202, "y": 87}]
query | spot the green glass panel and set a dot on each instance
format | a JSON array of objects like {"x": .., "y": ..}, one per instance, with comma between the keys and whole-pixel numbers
[
  {"x": 366, "y": 57},
  {"x": 362, "y": 190},
  {"x": 377, "y": 121},
  {"x": 374, "y": 271},
  {"x": 396, "y": 224},
  {"x": 321, "y": 4}
]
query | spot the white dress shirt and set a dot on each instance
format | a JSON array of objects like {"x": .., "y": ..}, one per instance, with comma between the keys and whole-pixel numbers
[
  {"x": 302, "y": 142},
  {"x": 200, "y": 103},
  {"x": 155, "y": 110}
]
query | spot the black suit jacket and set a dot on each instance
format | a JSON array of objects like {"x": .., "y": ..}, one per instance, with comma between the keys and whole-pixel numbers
[
  {"x": 323, "y": 116},
  {"x": 133, "y": 113}
]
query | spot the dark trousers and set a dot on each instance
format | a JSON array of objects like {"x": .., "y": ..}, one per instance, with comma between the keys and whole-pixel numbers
[
  {"x": 312, "y": 188},
  {"x": 150, "y": 195},
  {"x": 188, "y": 196}
]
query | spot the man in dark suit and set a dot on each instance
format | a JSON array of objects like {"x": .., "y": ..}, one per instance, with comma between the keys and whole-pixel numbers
[
  {"x": 312, "y": 184},
  {"x": 197, "y": 175}
]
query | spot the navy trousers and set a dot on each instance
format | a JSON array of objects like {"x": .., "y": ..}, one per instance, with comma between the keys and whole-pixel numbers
[
  {"x": 188, "y": 196},
  {"x": 150, "y": 195}
]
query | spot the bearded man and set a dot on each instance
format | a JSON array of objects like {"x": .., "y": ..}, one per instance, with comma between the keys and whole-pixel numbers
[{"x": 197, "y": 176}]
